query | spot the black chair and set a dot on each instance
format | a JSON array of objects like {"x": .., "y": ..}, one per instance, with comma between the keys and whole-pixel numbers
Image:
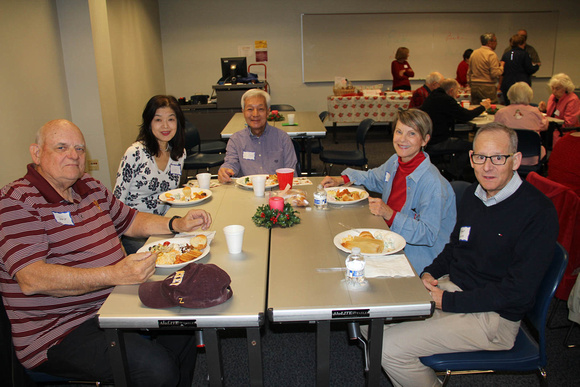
[
  {"x": 354, "y": 158},
  {"x": 319, "y": 148},
  {"x": 283, "y": 108},
  {"x": 196, "y": 159},
  {"x": 527, "y": 354},
  {"x": 459, "y": 187},
  {"x": 530, "y": 145},
  {"x": 210, "y": 147},
  {"x": 297, "y": 149}
]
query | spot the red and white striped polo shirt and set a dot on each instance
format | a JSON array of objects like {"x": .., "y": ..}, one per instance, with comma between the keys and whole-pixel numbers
[{"x": 38, "y": 224}]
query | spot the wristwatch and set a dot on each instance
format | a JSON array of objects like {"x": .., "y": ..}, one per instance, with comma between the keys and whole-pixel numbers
[{"x": 171, "y": 224}]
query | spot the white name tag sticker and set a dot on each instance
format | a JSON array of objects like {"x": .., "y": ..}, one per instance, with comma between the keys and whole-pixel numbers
[
  {"x": 387, "y": 176},
  {"x": 464, "y": 233},
  {"x": 63, "y": 218},
  {"x": 175, "y": 169},
  {"x": 249, "y": 155},
  {"x": 557, "y": 112},
  {"x": 406, "y": 66}
]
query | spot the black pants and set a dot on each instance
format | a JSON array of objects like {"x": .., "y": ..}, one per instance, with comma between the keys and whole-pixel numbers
[{"x": 166, "y": 360}]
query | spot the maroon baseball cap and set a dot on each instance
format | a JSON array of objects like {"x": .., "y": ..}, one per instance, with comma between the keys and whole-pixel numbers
[{"x": 197, "y": 285}]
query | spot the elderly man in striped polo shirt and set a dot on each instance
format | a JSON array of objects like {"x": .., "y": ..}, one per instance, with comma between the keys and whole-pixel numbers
[{"x": 60, "y": 257}]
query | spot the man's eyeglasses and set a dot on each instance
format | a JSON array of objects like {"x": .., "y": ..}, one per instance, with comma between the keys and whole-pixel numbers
[{"x": 495, "y": 159}]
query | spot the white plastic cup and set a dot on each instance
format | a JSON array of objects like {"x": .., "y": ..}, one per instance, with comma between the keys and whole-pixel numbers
[
  {"x": 203, "y": 180},
  {"x": 234, "y": 238},
  {"x": 259, "y": 184},
  {"x": 291, "y": 119},
  {"x": 466, "y": 104}
]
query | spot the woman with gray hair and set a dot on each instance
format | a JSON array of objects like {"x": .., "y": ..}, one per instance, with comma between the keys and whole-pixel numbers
[
  {"x": 520, "y": 115},
  {"x": 563, "y": 103},
  {"x": 417, "y": 202}
]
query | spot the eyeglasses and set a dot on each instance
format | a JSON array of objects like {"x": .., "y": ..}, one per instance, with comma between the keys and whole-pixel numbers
[{"x": 495, "y": 159}]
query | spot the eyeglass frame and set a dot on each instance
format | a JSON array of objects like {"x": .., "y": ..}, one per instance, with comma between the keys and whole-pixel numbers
[{"x": 490, "y": 158}]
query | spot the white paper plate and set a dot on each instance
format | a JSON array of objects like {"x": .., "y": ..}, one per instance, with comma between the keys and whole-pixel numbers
[
  {"x": 246, "y": 181},
  {"x": 179, "y": 197},
  {"x": 331, "y": 195},
  {"x": 397, "y": 242},
  {"x": 179, "y": 241}
]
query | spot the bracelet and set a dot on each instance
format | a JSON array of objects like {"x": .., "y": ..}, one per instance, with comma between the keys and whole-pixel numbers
[{"x": 171, "y": 224}]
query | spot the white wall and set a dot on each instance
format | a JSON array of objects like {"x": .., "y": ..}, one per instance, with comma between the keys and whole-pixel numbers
[{"x": 196, "y": 34}]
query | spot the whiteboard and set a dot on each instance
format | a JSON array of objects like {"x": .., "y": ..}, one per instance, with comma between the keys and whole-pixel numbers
[{"x": 362, "y": 46}]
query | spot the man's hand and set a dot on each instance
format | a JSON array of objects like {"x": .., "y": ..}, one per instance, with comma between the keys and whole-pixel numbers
[
  {"x": 430, "y": 284},
  {"x": 225, "y": 174},
  {"x": 135, "y": 268},
  {"x": 193, "y": 220},
  {"x": 486, "y": 103},
  {"x": 380, "y": 208},
  {"x": 330, "y": 181}
]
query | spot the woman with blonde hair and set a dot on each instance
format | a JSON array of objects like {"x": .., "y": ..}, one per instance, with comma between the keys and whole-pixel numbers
[
  {"x": 417, "y": 202},
  {"x": 563, "y": 103},
  {"x": 401, "y": 70}
]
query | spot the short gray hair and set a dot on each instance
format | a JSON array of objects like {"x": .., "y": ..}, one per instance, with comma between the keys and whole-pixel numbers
[
  {"x": 434, "y": 77},
  {"x": 485, "y": 38},
  {"x": 562, "y": 80},
  {"x": 416, "y": 119},
  {"x": 449, "y": 83},
  {"x": 255, "y": 93},
  {"x": 497, "y": 127},
  {"x": 520, "y": 92}
]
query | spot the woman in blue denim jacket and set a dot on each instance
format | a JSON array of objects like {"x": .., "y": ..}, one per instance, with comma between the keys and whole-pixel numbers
[{"x": 417, "y": 202}]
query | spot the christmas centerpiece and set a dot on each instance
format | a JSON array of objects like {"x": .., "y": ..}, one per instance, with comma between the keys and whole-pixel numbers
[
  {"x": 275, "y": 116},
  {"x": 267, "y": 217}
]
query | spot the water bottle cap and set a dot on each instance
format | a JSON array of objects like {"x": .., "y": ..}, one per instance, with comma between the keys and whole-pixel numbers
[
  {"x": 319, "y": 186},
  {"x": 356, "y": 250}
]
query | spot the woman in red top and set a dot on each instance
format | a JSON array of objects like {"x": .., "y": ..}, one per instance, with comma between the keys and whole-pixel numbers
[
  {"x": 463, "y": 67},
  {"x": 401, "y": 70}
]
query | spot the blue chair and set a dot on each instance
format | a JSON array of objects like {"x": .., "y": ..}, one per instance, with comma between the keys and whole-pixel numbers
[{"x": 527, "y": 354}]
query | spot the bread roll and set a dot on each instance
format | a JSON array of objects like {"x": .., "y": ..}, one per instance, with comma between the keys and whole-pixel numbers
[
  {"x": 366, "y": 245},
  {"x": 187, "y": 191},
  {"x": 198, "y": 242}
]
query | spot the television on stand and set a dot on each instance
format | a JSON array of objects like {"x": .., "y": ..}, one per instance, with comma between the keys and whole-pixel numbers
[{"x": 233, "y": 69}]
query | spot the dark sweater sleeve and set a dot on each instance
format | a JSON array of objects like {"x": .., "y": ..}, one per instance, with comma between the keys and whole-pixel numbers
[{"x": 459, "y": 113}]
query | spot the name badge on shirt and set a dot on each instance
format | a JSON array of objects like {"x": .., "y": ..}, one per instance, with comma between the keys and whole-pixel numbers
[
  {"x": 405, "y": 66},
  {"x": 63, "y": 218},
  {"x": 175, "y": 169},
  {"x": 387, "y": 176},
  {"x": 464, "y": 233},
  {"x": 249, "y": 155},
  {"x": 557, "y": 112}
]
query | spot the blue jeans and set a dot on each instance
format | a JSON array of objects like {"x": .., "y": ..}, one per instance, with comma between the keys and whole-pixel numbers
[{"x": 166, "y": 360}]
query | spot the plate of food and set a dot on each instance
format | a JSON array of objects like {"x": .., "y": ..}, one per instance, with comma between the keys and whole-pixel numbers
[
  {"x": 338, "y": 195},
  {"x": 371, "y": 241},
  {"x": 246, "y": 181},
  {"x": 175, "y": 253},
  {"x": 185, "y": 196}
]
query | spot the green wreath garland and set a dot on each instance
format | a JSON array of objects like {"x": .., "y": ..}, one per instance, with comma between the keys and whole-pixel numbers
[
  {"x": 267, "y": 217},
  {"x": 275, "y": 117}
]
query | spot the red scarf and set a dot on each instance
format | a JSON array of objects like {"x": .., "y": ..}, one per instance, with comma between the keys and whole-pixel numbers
[{"x": 398, "y": 195}]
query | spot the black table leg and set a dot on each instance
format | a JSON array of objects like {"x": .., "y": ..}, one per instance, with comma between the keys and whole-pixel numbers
[
  {"x": 214, "y": 363},
  {"x": 375, "y": 351},
  {"x": 334, "y": 132},
  {"x": 255, "y": 356},
  {"x": 118, "y": 357},
  {"x": 323, "y": 353}
]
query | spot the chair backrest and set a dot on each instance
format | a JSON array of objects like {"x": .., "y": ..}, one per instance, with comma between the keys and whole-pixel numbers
[
  {"x": 297, "y": 149},
  {"x": 192, "y": 139},
  {"x": 323, "y": 116},
  {"x": 283, "y": 107},
  {"x": 459, "y": 187},
  {"x": 529, "y": 143},
  {"x": 537, "y": 316},
  {"x": 567, "y": 205},
  {"x": 362, "y": 130}
]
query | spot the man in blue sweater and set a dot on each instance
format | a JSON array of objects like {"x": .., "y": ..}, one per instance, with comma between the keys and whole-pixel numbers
[{"x": 486, "y": 277}]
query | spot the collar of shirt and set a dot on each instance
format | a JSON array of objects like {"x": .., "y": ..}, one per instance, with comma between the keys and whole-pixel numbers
[
  {"x": 507, "y": 191},
  {"x": 46, "y": 190}
]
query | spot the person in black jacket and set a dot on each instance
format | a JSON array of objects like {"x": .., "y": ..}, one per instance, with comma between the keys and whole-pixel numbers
[
  {"x": 487, "y": 276},
  {"x": 518, "y": 66},
  {"x": 442, "y": 107}
]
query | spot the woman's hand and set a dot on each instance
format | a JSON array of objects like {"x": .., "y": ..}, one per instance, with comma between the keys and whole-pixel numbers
[
  {"x": 380, "y": 208},
  {"x": 542, "y": 106},
  {"x": 330, "y": 181}
]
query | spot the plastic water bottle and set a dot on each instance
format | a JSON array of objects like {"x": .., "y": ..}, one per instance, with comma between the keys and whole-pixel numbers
[
  {"x": 320, "y": 198},
  {"x": 355, "y": 268}
]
